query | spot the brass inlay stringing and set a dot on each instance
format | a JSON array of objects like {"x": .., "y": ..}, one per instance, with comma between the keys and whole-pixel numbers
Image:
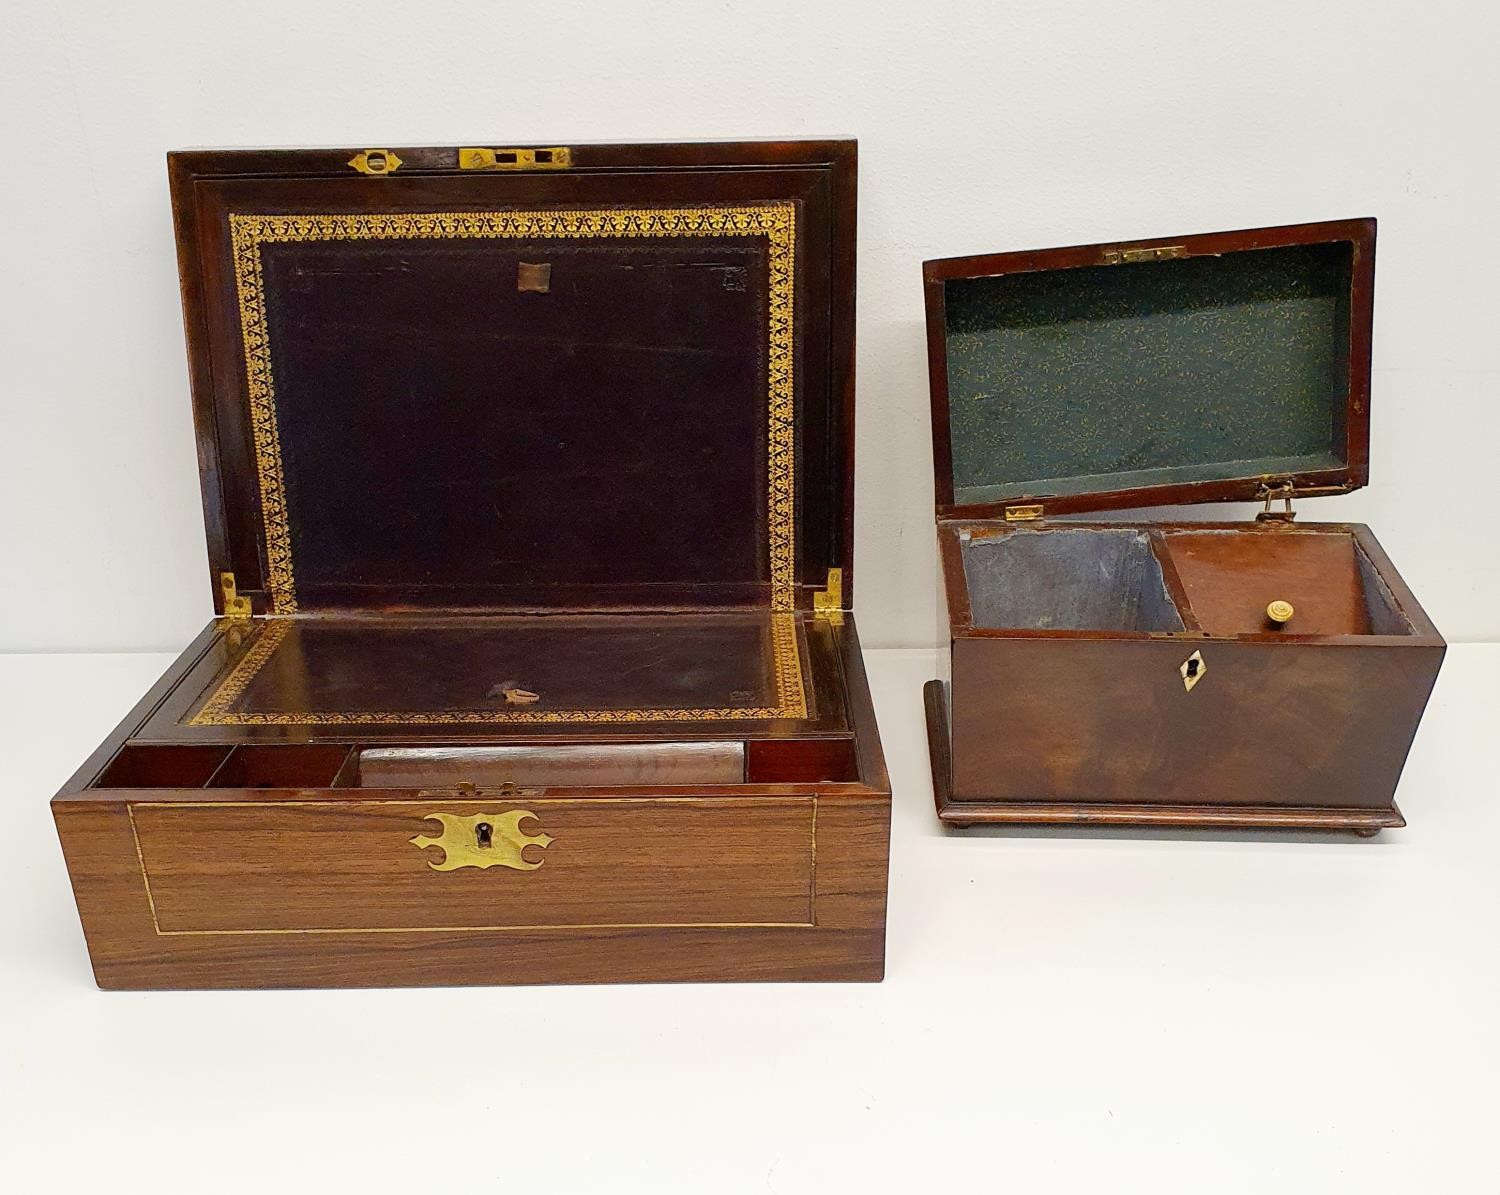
[
  {"x": 1192, "y": 670},
  {"x": 375, "y": 161},
  {"x": 774, "y": 221},
  {"x": 483, "y": 840},
  {"x": 557, "y": 157}
]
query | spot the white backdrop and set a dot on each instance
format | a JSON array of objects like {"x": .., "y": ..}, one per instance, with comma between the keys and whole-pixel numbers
[{"x": 981, "y": 127}]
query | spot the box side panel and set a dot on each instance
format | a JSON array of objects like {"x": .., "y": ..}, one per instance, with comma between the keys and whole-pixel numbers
[{"x": 1100, "y": 720}]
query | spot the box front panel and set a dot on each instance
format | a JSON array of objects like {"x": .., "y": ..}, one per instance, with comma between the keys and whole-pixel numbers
[
  {"x": 243, "y": 867},
  {"x": 703, "y": 889},
  {"x": 1263, "y": 723}
]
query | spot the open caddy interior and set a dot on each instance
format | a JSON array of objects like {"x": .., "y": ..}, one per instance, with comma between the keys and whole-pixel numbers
[
  {"x": 1192, "y": 580},
  {"x": 1265, "y": 673},
  {"x": 1080, "y": 380}
]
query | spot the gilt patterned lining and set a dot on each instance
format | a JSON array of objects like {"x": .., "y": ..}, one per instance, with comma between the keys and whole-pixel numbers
[{"x": 775, "y": 221}]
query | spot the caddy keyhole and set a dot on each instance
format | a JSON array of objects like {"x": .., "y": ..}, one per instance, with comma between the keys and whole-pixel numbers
[
  {"x": 1192, "y": 667},
  {"x": 483, "y": 833}
]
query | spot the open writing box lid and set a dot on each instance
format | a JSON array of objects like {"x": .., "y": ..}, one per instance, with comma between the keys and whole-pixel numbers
[
  {"x": 600, "y": 377},
  {"x": 1212, "y": 368}
]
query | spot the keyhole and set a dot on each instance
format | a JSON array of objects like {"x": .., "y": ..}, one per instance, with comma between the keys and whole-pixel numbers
[
  {"x": 1192, "y": 667},
  {"x": 483, "y": 833}
]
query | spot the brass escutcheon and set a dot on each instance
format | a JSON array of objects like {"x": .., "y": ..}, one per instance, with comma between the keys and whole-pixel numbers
[
  {"x": 483, "y": 840},
  {"x": 375, "y": 162}
]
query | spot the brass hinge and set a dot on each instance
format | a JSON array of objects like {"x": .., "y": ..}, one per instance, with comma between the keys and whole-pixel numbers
[
  {"x": 1023, "y": 513},
  {"x": 1141, "y": 253},
  {"x": 1284, "y": 490},
  {"x": 235, "y": 606},
  {"x": 375, "y": 161},
  {"x": 828, "y": 602},
  {"x": 1276, "y": 491},
  {"x": 557, "y": 157}
]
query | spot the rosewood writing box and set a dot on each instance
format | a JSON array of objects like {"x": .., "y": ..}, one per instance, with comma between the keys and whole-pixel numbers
[
  {"x": 527, "y": 476},
  {"x": 1268, "y": 674}
]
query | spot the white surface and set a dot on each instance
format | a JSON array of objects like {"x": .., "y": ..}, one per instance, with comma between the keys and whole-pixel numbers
[
  {"x": 982, "y": 127},
  {"x": 1103, "y": 1012}
]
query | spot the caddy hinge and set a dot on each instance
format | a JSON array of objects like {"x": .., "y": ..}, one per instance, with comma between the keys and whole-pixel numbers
[
  {"x": 1276, "y": 491},
  {"x": 828, "y": 602},
  {"x": 556, "y": 157},
  {"x": 235, "y": 606},
  {"x": 1023, "y": 513}
]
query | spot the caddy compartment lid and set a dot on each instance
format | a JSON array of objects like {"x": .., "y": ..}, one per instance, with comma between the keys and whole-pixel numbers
[{"x": 1209, "y": 368}]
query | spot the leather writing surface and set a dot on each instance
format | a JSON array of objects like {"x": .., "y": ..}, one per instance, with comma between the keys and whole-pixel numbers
[
  {"x": 441, "y": 427},
  {"x": 412, "y": 670}
]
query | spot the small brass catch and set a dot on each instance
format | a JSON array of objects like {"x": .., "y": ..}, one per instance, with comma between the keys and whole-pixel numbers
[
  {"x": 375, "y": 161},
  {"x": 515, "y": 696},
  {"x": 1024, "y": 513},
  {"x": 557, "y": 157},
  {"x": 235, "y": 606},
  {"x": 1192, "y": 670},
  {"x": 1135, "y": 256}
]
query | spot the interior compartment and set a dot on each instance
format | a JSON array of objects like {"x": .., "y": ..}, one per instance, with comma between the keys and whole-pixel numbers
[
  {"x": 582, "y": 765},
  {"x": 1230, "y": 577},
  {"x": 161, "y": 767},
  {"x": 1075, "y": 579},
  {"x": 800, "y": 761},
  {"x": 291, "y": 766},
  {"x": 1114, "y": 579}
]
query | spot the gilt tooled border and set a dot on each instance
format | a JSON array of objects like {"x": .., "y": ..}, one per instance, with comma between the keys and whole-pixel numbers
[
  {"x": 776, "y": 222},
  {"x": 219, "y": 709}
]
